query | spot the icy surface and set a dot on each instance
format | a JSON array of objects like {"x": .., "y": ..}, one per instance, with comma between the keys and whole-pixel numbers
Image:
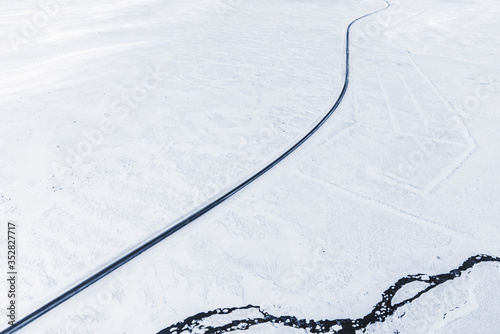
[
  {"x": 403, "y": 179},
  {"x": 119, "y": 118}
]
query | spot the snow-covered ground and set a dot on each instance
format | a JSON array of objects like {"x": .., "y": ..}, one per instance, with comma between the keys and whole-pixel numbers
[{"x": 119, "y": 117}]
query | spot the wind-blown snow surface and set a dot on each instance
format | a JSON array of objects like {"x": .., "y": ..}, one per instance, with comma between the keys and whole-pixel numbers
[
  {"x": 401, "y": 180},
  {"x": 119, "y": 117}
]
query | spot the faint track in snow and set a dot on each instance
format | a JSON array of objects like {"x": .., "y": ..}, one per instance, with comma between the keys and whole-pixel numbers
[
  {"x": 473, "y": 146},
  {"x": 197, "y": 213}
]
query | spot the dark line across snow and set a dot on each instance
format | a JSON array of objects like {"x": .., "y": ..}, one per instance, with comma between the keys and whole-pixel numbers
[{"x": 192, "y": 217}]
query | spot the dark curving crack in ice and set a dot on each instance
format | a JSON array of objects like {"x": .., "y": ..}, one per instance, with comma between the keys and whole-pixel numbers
[{"x": 384, "y": 309}]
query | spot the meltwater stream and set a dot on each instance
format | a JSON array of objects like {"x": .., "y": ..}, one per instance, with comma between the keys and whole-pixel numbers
[{"x": 382, "y": 310}]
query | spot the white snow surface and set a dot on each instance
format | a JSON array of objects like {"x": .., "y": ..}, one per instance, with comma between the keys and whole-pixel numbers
[{"x": 402, "y": 179}]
